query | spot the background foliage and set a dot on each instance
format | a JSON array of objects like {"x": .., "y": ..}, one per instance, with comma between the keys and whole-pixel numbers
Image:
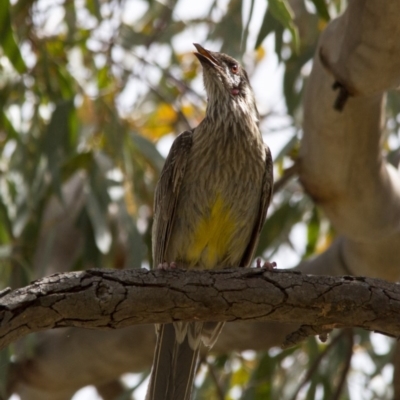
[{"x": 91, "y": 94}]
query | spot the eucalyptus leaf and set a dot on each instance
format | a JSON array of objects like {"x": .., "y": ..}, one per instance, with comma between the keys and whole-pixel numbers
[
  {"x": 230, "y": 29},
  {"x": 7, "y": 39},
  {"x": 94, "y": 7},
  {"x": 135, "y": 245},
  {"x": 280, "y": 223},
  {"x": 282, "y": 11},
  {"x": 55, "y": 141},
  {"x": 322, "y": 9},
  {"x": 270, "y": 24},
  {"x": 148, "y": 149},
  {"x": 313, "y": 230},
  {"x": 97, "y": 216}
]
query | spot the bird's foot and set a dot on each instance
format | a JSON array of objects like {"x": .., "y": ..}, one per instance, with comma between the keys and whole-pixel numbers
[
  {"x": 166, "y": 267},
  {"x": 270, "y": 266}
]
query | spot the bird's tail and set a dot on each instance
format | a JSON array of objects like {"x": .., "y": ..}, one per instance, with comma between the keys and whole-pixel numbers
[{"x": 176, "y": 348}]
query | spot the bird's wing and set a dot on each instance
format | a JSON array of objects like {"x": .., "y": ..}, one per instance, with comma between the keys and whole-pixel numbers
[
  {"x": 167, "y": 193},
  {"x": 266, "y": 194}
]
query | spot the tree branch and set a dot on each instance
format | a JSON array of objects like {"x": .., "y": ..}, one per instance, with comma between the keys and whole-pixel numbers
[
  {"x": 108, "y": 299},
  {"x": 341, "y": 164}
]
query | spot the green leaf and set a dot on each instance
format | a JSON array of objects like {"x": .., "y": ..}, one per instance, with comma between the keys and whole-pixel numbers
[
  {"x": 261, "y": 379},
  {"x": 148, "y": 149},
  {"x": 65, "y": 82},
  {"x": 292, "y": 75},
  {"x": 262, "y": 382},
  {"x": 322, "y": 9},
  {"x": 55, "y": 141},
  {"x": 91, "y": 254},
  {"x": 70, "y": 19},
  {"x": 229, "y": 29},
  {"x": 103, "y": 77},
  {"x": 135, "y": 245},
  {"x": 21, "y": 219},
  {"x": 279, "y": 224},
  {"x": 7, "y": 40},
  {"x": 97, "y": 215},
  {"x": 5, "y": 223},
  {"x": 281, "y": 10},
  {"x": 270, "y": 24},
  {"x": 81, "y": 161},
  {"x": 94, "y": 8},
  {"x": 8, "y": 128},
  {"x": 311, "y": 392},
  {"x": 246, "y": 29},
  {"x": 313, "y": 230},
  {"x": 145, "y": 33}
]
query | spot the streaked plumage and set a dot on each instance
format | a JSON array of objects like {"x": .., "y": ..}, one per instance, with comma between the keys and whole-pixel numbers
[{"x": 210, "y": 205}]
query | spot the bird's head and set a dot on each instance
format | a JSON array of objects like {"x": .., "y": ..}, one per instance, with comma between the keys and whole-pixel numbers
[{"x": 225, "y": 80}]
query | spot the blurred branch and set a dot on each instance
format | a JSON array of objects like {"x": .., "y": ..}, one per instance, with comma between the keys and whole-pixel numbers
[
  {"x": 347, "y": 362},
  {"x": 108, "y": 299},
  {"x": 181, "y": 115},
  {"x": 288, "y": 174},
  {"x": 341, "y": 162},
  {"x": 315, "y": 365},
  {"x": 211, "y": 370},
  {"x": 167, "y": 74}
]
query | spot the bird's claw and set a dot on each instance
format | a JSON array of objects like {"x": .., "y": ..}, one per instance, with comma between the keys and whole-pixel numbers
[
  {"x": 165, "y": 266},
  {"x": 270, "y": 266}
]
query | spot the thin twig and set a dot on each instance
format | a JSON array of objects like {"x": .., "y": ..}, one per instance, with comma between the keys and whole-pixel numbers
[
  {"x": 316, "y": 363},
  {"x": 350, "y": 336},
  {"x": 287, "y": 175},
  {"x": 213, "y": 375},
  {"x": 181, "y": 115},
  {"x": 246, "y": 29},
  {"x": 167, "y": 74}
]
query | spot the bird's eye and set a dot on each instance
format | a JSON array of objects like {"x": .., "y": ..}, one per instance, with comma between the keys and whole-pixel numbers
[{"x": 234, "y": 68}]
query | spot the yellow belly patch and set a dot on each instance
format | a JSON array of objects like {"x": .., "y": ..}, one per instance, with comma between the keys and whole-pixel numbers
[{"x": 212, "y": 236}]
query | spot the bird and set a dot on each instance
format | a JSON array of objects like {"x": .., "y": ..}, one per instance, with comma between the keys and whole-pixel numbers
[{"x": 210, "y": 204}]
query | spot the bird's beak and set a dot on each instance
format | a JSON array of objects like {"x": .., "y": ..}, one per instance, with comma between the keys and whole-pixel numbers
[{"x": 205, "y": 57}]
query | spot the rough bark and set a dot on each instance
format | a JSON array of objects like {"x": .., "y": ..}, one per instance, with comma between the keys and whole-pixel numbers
[
  {"x": 341, "y": 161},
  {"x": 109, "y": 299}
]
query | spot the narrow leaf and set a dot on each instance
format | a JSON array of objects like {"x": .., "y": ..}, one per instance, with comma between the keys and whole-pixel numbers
[
  {"x": 148, "y": 149},
  {"x": 94, "y": 8},
  {"x": 281, "y": 10},
  {"x": 322, "y": 9},
  {"x": 280, "y": 223},
  {"x": 97, "y": 217},
  {"x": 55, "y": 141},
  {"x": 229, "y": 29},
  {"x": 7, "y": 40},
  {"x": 269, "y": 25},
  {"x": 135, "y": 245}
]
